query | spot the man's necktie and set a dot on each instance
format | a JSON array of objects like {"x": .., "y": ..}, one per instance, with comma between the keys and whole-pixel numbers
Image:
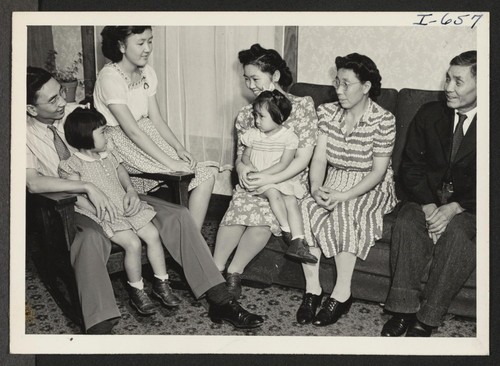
[
  {"x": 458, "y": 135},
  {"x": 61, "y": 148}
]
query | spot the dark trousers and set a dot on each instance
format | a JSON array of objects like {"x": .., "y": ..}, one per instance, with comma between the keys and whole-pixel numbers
[
  {"x": 453, "y": 261},
  {"x": 91, "y": 249}
]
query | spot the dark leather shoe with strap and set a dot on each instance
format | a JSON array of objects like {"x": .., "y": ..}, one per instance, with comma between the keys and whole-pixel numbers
[
  {"x": 299, "y": 250},
  {"x": 419, "y": 329},
  {"x": 331, "y": 311},
  {"x": 307, "y": 310},
  {"x": 397, "y": 325},
  {"x": 234, "y": 314},
  {"x": 163, "y": 291}
]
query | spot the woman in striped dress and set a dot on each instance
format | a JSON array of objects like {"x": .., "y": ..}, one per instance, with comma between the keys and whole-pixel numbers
[{"x": 352, "y": 185}]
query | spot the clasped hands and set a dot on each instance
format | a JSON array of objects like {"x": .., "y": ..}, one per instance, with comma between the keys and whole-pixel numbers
[
  {"x": 106, "y": 209},
  {"x": 328, "y": 198},
  {"x": 438, "y": 218},
  {"x": 250, "y": 178}
]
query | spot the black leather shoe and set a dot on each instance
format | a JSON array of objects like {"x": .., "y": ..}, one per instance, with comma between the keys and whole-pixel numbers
[
  {"x": 331, "y": 311},
  {"x": 419, "y": 329},
  {"x": 163, "y": 291},
  {"x": 233, "y": 281},
  {"x": 307, "y": 309},
  {"x": 234, "y": 314},
  {"x": 397, "y": 325},
  {"x": 299, "y": 249}
]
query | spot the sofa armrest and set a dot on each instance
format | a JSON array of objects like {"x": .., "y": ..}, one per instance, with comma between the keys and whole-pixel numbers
[
  {"x": 56, "y": 206},
  {"x": 177, "y": 181}
]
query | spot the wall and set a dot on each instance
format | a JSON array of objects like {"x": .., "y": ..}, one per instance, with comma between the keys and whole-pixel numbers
[
  {"x": 407, "y": 57},
  {"x": 67, "y": 44}
]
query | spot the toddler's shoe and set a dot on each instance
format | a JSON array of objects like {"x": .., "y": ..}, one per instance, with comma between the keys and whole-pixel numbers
[
  {"x": 163, "y": 291},
  {"x": 287, "y": 237},
  {"x": 140, "y": 300},
  {"x": 300, "y": 250}
]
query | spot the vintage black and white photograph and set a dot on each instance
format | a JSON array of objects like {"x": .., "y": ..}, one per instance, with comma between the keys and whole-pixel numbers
[{"x": 250, "y": 183}]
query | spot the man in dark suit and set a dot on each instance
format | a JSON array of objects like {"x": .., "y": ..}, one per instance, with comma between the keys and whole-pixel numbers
[{"x": 438, "y": 221}]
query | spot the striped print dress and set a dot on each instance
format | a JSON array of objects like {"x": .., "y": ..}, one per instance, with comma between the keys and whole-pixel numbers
[{"x": 352, "y": 226}]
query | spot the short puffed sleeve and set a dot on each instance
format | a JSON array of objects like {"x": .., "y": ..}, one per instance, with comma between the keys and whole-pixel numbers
[
  {"x": 69, "y": 167},
  {"x": 291, "y": 140},
  {"x": 111, "y": 87},
  {"x": 385, "y": 135},
  {"x": 115, "y": 158},
  {"x": 327, "y": 113},
  {"x": 151, "y": 80},
  {"x": 303, "y": 120},
  {"x": 244, "y": 121},
  {"x": 248, "y": 137}
]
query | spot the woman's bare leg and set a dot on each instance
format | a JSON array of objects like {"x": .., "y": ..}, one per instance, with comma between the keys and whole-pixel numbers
[
  {"x": 199, "y": 200},
  {"x": 228, "y": 238},
  {"x": 253, "y": 240}
]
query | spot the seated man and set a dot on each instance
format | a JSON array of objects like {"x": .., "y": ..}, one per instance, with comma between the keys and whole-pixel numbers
[
  {"x": 45, "y": 146},
  {"x": 438, "y": 221}
]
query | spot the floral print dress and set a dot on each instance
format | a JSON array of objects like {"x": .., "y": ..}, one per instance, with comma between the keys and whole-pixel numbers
[
  {"x": 114, "y": 87},
  {"x": 249, "y": 210}
]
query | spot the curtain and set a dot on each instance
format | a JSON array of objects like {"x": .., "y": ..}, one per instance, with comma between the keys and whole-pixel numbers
[{"x": 200, "y": 83}]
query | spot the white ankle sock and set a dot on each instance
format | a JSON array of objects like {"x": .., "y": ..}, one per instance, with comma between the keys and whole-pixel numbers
[
  {"x": 162, "y": 277},
  {"x": 285, "y": 228},
  {"x": 298, "y": 237},
  {"x": 139, "y": 284}
]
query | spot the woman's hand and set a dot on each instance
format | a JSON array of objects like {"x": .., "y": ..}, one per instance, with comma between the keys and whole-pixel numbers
[
  {"x": 334, "y": 197},
  {"x": 187, "y": 157},
  {"x": 101, "y": 202},
  {"x": 257, "y": 180},
  {"x": 131, "y": 202},
  {"x": 243, "y": 170},
  {"x": 321, "y": 198}
]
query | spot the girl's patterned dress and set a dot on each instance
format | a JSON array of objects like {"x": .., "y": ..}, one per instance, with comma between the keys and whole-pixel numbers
[
  {"x": 114, "y": 87},
  {"x": 248, "y": 210},
  {"x": 352, "y": 226},
  {"x": 102, "y": 173}
]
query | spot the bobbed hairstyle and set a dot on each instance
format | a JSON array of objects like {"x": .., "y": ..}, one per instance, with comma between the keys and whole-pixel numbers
[
  {"x": 79, "y": 126},
  {"x": 35, "y": 80},
  {"x": 278, "y": 106},
  {"x": 365, "y": 70},
  {"x": 267, "y": 60},
  {"x": 113, "y": 35},
  {"x": 468, "y": 58}
]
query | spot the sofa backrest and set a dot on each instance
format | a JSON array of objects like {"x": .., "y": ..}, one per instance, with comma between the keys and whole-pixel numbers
[
  {"x": 409, "y": 102},
  {"x": 403, "y": 104}
]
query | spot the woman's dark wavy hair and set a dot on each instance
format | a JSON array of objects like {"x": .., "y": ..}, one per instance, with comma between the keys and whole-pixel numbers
[
  {"x": 278, "y": 106},
  {"x": 113, "y": 35},
  {"x": 36, "y": 78},
  {"x": 79, "y": 126},
  {"x": 267, "y": 60},
  {"x": 365, "y": 70}
]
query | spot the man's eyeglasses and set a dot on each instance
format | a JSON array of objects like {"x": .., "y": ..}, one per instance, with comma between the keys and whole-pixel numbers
[
  {"x": 57, "y": 99},
  {"x": 337, "y": 84}
]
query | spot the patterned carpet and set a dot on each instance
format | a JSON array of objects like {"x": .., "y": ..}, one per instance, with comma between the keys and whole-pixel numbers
[{"x": 276, "y": 304}]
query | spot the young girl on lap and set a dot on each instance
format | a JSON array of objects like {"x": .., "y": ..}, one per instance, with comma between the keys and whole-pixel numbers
[
  {"x": 269, "y": 148},
  {"x": 130, "y": 219}
]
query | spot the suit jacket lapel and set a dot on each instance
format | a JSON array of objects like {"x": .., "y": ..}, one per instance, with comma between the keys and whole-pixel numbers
[
  {"x": 468, "y": 144},
  {"x": 444, "y": 129}
]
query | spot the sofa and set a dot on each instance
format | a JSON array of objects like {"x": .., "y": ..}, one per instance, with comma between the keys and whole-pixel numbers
[{"x": 371, "y": 278}]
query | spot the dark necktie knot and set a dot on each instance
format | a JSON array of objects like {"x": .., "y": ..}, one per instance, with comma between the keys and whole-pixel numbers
[{"x": 61, "y": 148}]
